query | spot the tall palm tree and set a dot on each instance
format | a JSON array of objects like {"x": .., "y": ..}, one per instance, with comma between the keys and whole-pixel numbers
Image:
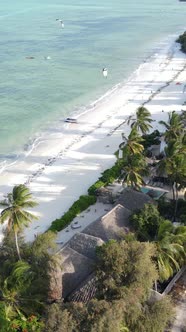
[
  {"x": 134, "y": 169},
  {"x": 173, "y": 165},
  {"x": 142, "y": 121},
  {"x": 15, "y": 212},
  {"x": 174, "y": 127},
  {"x": 132, "y": 144}
]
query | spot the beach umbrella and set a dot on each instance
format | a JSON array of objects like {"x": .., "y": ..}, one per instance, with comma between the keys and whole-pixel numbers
[{"x": 105, "y": 72}]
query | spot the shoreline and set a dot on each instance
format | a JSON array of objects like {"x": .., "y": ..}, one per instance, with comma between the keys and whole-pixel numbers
[{"x": 57, "y": 177}]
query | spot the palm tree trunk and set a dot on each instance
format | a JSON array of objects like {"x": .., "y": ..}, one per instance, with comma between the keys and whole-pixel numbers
[
  {"x": 176, "y": 202},
  {"x": 173, "y": 192},
  {"x": 17, "y": 246}
]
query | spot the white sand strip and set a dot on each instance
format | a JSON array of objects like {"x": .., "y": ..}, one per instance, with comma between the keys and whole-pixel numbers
[{"x": 69, "y": 160}]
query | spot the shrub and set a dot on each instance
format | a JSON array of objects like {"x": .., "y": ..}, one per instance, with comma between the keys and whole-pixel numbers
[
  {"x": 182, "y": 41},
  {"x": 151, "y": 139},
  {"x": 80, "y": 205},
  {"x": 98, "y": 184},
  {"x": 108, "y": 176}
]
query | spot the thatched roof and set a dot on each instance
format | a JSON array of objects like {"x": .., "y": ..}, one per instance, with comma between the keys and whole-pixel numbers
[
  {"x": 133, "y": 199},
  {"x": 75, "y": 268},
  {"x": 85, "y": 291},
  {"x": 110, "y": 225},
  {"x": 85, "y": 244}
]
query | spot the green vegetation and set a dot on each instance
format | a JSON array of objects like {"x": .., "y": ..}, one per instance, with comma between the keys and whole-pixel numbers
[
  {"x": 15, "y": 213},
  {"x": 182, "y": 41},
  {"x": 142, "y": 120},
  {"x": 173, "y": 165},
  {"x": 108, "y": 176},
  {"x": 151, "y": 139},
  {"x": 131, "y": 153},
  {"x": 169, "y": 240},
  {"x": 125, "y": 273},
  {"x": 24, "y": 283},
  {"x": 78, "y": 206}
]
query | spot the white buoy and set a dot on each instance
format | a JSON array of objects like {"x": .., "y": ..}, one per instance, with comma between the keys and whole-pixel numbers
[{"x": 105, "y": 72}]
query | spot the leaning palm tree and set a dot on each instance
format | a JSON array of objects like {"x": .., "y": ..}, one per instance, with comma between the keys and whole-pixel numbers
[
  {"x": 15, "y": 212},
  {"x": 174, "y": 127},
  {"x": 142, "y": 121}
]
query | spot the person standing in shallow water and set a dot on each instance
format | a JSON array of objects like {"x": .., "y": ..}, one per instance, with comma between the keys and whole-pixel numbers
[{"x": 105, "y": 72}]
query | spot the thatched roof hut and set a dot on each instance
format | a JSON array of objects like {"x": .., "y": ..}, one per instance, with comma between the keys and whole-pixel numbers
[
  {"x": 85, "y": 291},
  {"x": 133, "y": 199},
  {"x": 110, "y": 225},
  {"x": 85, "y": 244},
  {"x": 75, "y": 268}
]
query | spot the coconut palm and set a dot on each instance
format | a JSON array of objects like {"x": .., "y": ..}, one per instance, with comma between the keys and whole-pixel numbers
[
  {"x": 133, "y": 170},
  {"x": 15, "y": 212},
  {"x": 170, "y": 249},
  {"x": 11, "y": 288},
  {"x": 173, "y": 165},
  {"x": 174, "y": 127},
  {"x": 142, "y": 121},
  {"x": 132, "y": 144}
]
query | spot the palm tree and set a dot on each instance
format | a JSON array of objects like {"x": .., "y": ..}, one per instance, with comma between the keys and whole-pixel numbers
[
  {"x": 132, "y": 144},
  {"x": 170, "y": 249},
  {"x": 174, "y": 166},
  {"x": 174, "y": 127},
  {"x": 134, "y": 169},
  {"x": 142, "y": 121},
  {"x": 15, "y": 213}
]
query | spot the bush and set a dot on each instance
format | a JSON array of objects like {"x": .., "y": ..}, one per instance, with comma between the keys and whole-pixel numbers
[
  {"x": 166, "y": 209},
  {"x": 108, "y": 176},
  {"x": 182, "y": 41},
  {"x": 151, "y": 139},
  {"x": 80, "y": 205},
  {"x": 95, "y": 186}
]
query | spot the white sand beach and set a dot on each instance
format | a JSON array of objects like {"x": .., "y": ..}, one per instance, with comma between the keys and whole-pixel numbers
[{"x": 68, "y": 161}]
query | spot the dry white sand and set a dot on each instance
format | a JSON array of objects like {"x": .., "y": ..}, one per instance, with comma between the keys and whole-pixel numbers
[{"x": 65, "y": 164}]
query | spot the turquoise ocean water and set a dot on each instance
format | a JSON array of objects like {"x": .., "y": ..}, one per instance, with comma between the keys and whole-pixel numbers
[{"x": 117, "y": 34}]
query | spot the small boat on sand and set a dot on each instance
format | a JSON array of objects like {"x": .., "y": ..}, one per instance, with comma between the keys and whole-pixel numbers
[{"x": 71, "y": 120}]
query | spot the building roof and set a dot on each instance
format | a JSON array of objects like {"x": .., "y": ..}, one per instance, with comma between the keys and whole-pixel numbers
[
  {"x": 133, "y": 199},
  {"x": 85, "y": 291},
  {"x": 75, "y": 268},
  {"x": 110, "y": 225},
  {"x": 85, "y": 244}
]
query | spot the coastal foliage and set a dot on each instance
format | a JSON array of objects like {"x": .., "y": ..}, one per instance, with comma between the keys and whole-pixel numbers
[
  {"x": 84, "y": 201},
  {"x": 125, "y": 272},
  {"x": 78, "y": 206},
  {"x": 169, "y": 240},
  {"x": 108, "y": 176},
  {"x": 142, "y": 120},
  {"x": 151, "y": 139},
  {"x": 173, "y": 164},
  {"x": 122, "y": 267},
  {"x": 182, "y": 41},
  {"x": 15, "y": 211},
  {"x": 24, "y": 283}
]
